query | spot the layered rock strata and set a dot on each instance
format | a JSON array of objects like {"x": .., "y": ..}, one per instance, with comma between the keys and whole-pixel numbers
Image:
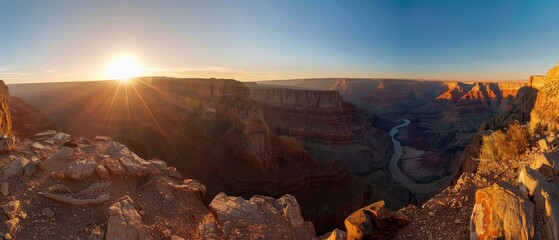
[
  {"x": 326, "y": 126},
  {"x": 209, "y": 129}
]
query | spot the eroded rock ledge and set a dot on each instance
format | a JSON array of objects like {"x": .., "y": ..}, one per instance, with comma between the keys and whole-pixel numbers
[{"x": 71, "y": 188}]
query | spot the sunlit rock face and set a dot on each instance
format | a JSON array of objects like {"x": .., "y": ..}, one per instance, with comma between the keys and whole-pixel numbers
[
  {"x": 520, "y": 109},
  {"x": 5, "y": 116},
  {"x": 546, "y": 110},
  {"x": 553, "y": 74},
  {"x": 211, "y": 130}
]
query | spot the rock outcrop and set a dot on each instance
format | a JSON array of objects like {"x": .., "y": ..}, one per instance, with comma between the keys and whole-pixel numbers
[
  {"x": 500, "y": 211},
  {"x": 326, "y": 126},
  {"x": 260, "y": 217},
  {"x": 209, "y": 129},
  {"x": 544, "y": 189},
  {"x": 126, "y": 204},
  {"x": 374, "y": 222},
  {"x": 124, "y": 222}
]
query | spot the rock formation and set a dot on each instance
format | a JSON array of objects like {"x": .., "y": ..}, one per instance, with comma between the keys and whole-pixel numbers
[
  {"x": 546, "y": 107},
  {"x": 500, "y": 211},
  {"x": 128, "y": 205},
  {"x": 374, "y": 222},
  {"x": 326, "y": 126},
  {"x": 209, "y": 129}
]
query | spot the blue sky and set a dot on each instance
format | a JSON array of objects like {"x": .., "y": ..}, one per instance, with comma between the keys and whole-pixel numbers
[{"x": 256, "y": 40}]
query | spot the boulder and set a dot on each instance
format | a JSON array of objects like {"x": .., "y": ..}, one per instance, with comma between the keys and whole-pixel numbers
[
  {"x": 6, "y": 143},
  {"x": 62, "y": 154},
  {"x": 138, "y": 167},
  {"x": 12, "y": 224},
  {"x": 102, "y": 172},
  {"x": 545, "y": 159},
  {"x": 159, "y": 164},
  {"x": 124, "y": 222},
  {"x": 196, "y": 186},
  {"x": 45, "y": 135},
  {"x": 544, "y": 193},
  {"x": 61, "y": 136},
  {"x": 11, "y": 208},
  {"x": 501, "y": 211},
  {"x": 15, "y": 168},
  {"x": 290, "y": 209},
  {"x": 374, "y": 222},
  {"x": 113, "y": 165},
  {"x": 134, "y": 165},
  {"x": 79, "y": 170},
  {"x": 542, "y": 143},
  {"x": 30, "y": 168},
  {"x": 39, "y": 147}
]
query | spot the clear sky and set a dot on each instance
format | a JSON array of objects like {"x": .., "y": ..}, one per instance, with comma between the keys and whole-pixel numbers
[{"x": 69, "y": 40}]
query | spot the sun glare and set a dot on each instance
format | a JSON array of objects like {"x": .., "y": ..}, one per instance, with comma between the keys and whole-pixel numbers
[{"x": 124, "y": 68}]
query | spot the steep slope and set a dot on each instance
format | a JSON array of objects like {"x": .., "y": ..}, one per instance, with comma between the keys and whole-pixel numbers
[
  {"x": 329, "y": 128},
  {"x": 210, "y": 130}
]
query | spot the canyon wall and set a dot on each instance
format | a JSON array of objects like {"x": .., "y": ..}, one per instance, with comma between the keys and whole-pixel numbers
[
  {"x": 209, "y": 129},
  {"x": 326, "y": 126}
]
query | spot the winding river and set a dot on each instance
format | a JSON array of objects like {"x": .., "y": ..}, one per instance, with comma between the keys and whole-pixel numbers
[{"x": 401, "y": 177}]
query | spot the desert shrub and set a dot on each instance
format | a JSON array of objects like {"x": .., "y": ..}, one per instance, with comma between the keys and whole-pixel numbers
[
  {"x": 540, "y": 128},
  {"x": 509, "y": 145}
]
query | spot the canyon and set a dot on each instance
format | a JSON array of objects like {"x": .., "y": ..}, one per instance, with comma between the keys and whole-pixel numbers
[
  {"x": 444, "y": 118},
  {"x": 296, "y": 159},
  {"x": 210, "y": 130}
]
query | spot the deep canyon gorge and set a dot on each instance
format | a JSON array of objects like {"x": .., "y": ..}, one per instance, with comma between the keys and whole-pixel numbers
[
  {"x": 333, "y": 145},
  {"x": 303, "y": 137}
]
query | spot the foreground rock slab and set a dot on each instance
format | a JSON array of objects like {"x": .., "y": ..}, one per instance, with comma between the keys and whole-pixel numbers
[
  {"x": 124, "y": 222},
  {"x": 501, "y": 211}
]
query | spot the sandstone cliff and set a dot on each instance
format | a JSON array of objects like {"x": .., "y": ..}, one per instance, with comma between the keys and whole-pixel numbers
[{"x": 5, "y": 115}]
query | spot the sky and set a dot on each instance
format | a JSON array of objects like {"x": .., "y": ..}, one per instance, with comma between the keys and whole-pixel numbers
[{"x": 477, "y": 40}]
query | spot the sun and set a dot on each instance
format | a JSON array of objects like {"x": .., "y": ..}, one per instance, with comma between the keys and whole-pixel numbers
[{"x": 123, "y": 68}]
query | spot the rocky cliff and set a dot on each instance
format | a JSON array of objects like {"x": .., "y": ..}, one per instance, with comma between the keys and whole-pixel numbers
[
  {"x": 329, "y": 128},
  {"x": 5, "y": 115},
  {"x": 546, "y": 112},
  {"x": 209, "y": 129}
]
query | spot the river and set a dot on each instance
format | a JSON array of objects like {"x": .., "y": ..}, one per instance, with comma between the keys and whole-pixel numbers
[{"x": 401, "y": 177}]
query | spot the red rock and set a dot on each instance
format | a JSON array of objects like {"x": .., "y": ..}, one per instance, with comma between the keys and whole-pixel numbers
[{"x": 501, "y": 211}]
